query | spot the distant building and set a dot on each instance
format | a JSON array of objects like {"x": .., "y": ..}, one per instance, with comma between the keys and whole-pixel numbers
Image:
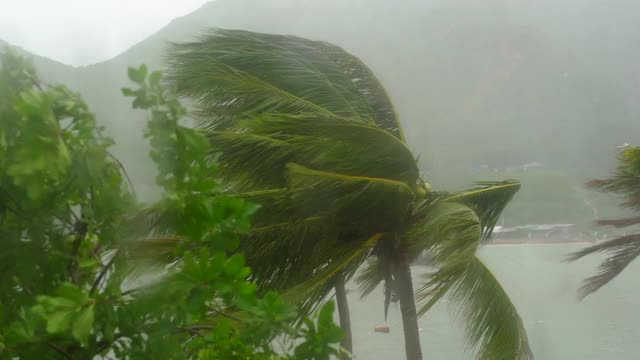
[
  {"x": 516, "y": 168},
  {"x": 544, "y": 232}
]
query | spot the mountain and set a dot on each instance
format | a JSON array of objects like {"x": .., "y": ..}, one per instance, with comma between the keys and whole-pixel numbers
[{"x": 495, "y": 83}]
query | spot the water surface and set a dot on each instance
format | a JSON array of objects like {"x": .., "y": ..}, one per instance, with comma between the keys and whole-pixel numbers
[{"x": 604, "y": 326}]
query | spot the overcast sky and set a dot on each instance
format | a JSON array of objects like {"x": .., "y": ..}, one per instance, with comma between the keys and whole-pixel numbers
[{"x": 80, "y": 32}]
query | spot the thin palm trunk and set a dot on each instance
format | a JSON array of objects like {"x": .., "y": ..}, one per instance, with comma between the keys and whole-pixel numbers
[
  {"x": 412, "y": 346},
  {"x": 345, "y": 321}
]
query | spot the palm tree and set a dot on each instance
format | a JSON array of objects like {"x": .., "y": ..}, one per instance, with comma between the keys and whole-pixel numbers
[
  {"x": 623, "y": 250},
  {"x": 307, "y": 131}
]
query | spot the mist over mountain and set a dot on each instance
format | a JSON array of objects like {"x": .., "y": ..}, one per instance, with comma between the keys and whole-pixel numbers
[{"x": 494, "y": 84}]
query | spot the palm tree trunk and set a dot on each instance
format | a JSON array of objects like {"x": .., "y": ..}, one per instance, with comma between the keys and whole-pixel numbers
[
  {"x": 345, "y": 321},
  {"x": 412, "y": 346}
]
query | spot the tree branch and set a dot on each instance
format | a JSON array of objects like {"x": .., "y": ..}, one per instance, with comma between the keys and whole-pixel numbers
[
  {"x": 124, "y": 171},
  {"x": 60, "y": 350},
  {"x": 103, "y": 272},
  {"x": 81, "y": 232}
]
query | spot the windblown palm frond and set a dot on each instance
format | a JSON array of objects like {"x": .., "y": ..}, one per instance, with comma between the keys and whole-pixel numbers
[
  {"x": 371, "y": 275},
  {"x": 153, "y": 250},
  {"x": 494, "y": 329},
  {"x": 152, "y": 221},
  {"x": 255, "y": 156},
  {"x": 379, "y": 269},
  {"x": 285, "y": 254},
  {"x": 448, "y": 231},
  {"x": 232, "y": 72},
  {"x": 367, "y": 84},
  {"x": 373, "y": 204},
  {"x": 626, "y": 180},
  {"x": 309, "y": 293},
  {"x": 622, "y": 251},
  {"x": 451, "y": 233},
  {"x": 374, "y": 149},
  {"x": 488, "y": 200}
]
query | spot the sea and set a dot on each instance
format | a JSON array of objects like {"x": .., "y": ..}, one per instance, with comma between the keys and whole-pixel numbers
[{"x": 604, "y": 326}]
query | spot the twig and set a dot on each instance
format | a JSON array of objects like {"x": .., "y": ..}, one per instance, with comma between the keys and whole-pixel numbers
[
  {"x": 130, "y": 291},
  {"x": 227, "y": 315},
  {"x": 124, "y": 171},
  {"x": 195, "y": 329},
  {"x": 73, "y": 121},
  {"x": 201, "y": 327},
  {"x": 36, "y": 83},
  {"x": 103, "y": 272},
  {"x": 106, "y": 344},
  {"x": 60, "y": 350},
  {"x": 77, "y": 219},
  {"x": 81, "y": 232}
]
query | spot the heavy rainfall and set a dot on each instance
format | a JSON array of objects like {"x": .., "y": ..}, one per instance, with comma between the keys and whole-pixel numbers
[{"x": 319, "y": 179}]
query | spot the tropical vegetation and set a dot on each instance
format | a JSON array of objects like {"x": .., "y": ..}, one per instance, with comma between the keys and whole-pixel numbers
[{"x": 71, "y": 284}]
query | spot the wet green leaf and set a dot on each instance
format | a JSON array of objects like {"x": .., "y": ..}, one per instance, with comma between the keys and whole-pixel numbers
[{"x": 83, "y": 323}]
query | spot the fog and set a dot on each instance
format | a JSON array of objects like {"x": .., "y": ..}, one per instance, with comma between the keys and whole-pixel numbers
[
  {"x": 83, "y": 32},
  {"x": 487, "y": 86},
  {"x": 478, "y": 85},
  {"x": 539, "y": 91}
]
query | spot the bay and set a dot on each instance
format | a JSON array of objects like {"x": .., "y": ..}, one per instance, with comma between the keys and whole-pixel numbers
[{"x": 543, "y": 287}]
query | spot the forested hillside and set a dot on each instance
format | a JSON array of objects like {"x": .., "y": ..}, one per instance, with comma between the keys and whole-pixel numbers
[{"x": 513, "y": 84}]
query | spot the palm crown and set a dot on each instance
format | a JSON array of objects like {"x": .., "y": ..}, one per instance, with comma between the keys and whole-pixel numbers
[
  {"x": 623, "y": 250},
  {"x": 306, "y": 130}
]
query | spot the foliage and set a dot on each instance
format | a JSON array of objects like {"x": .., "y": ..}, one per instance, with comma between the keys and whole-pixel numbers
[
  {"x": 621, "y": 251},
  {"x": 305, "y": 129},
  {"x": 70, "y": 286}
]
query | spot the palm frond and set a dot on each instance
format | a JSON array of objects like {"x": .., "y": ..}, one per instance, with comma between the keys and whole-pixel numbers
[
  {"x": 626, "y": 180},
  {"x": 250, "y": 161},
  {"x": 370, "y": 276},
  {"x": 449, "y": 231},
  {"x": 256, "y": 156},
  {"x": 284, "y": 254},
  {"x": 152, "y": 221},
  {"x": 160, "y": 250},
  {"x": 353, "y": 147},
  {"x": 494, "y": 330},
  {"x": 367, "y": 84},
  {"x": 378, "y": 269},
  {"x": 488, "y": 200},
  {"x": 621, "y": 252},
  {"x": 311, "y": 292},
  {"x": 374, "y": 204},
  {"x": 234, "y": 72}
]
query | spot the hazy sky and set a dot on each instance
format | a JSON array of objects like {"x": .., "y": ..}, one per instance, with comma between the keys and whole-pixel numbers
[{"x": 80, "y": 32}]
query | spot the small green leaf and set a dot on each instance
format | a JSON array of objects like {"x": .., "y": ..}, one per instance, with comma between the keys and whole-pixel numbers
[
  {"x": 128, "y": 92},
  {"x": 325, "y": 317},
  {"x": 154, "y": 78},
  {"x": 87, "y": 263},
  {"x": 73, "y": 293},
  {"x": 138, "y": 75},
  {"x": 234, "y": 265},
  {"x": 58, "y": 322},
  {"x": 83, "y": 324}
]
